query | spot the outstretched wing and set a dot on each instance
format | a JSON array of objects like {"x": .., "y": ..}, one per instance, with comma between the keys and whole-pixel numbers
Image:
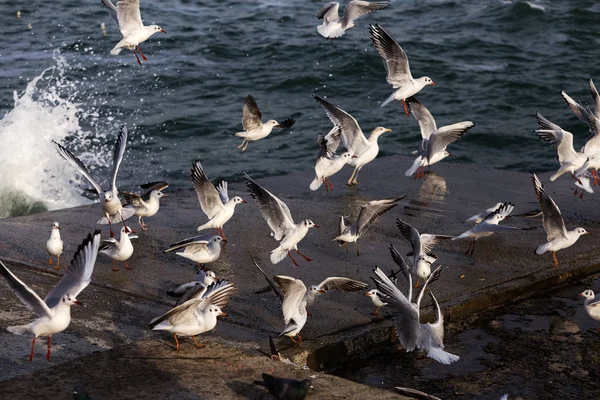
[
  {"x": 76, "y": 162},
  {"x": 293, "y": 292},
  {"x": 27, "y": 296},
  {"x": 373, "y": 210},
  {"x": 358, "y": 8},
  {"x": 353, "y": 137},
  {"x": 441, "y": 138},
  {"x": 551, "y": 216},
  {"x": 209, "y": 198},
  {"x": 128, "y": 14},
  {"x": 394, "y": 58},
  {"x": 118, "y": 154},
  {"x": 329, "y": 12},
  {"x": 342, "y": 284},
  {"x": 251, "y": 115}
]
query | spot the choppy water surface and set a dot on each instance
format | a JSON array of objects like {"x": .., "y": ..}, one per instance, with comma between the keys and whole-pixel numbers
[{"x": 495, "y": 62}]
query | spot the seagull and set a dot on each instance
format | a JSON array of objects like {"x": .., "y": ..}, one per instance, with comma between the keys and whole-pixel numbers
[
  {"x": 109, "y": 200},
  {"x": 376, "y": 296},
  {"x": 477, "y": 218},
  {"x": 333, "y": 27},
  {"x": 368, "y": 215},
  {"x": 582, "y": 181},
  {"x": 411, "y": 333},
  {"x": 285, "y": 388},
  {"x": 396, "y": 65},
  {"x": 327, "y": 163},
  {"x": 435, "y": 140},
  {"x": 422, "y": 245},
  {"x": 488, "y": 226},
  {"x": 279, "y": 218},
  {"x": 54, "y": 245},
  {"x": 203, "y": 277},
  {"x": 591, "y": 304},
  {"x": 353, "y": 139},
  {"x": 294, "y": 306},
  {"x": 147, "y": 204},
  {"x": 558, "y": 237},
  {"x": 254, "y": 129},
  {"x": 54, "y": 312},
  {"x": 119, "y": 250},
  {"x": 569, "y": 159},
  {"x": 591, "y": 163},
  {"x": 127, "y": 15},
  {"x": 215, "y": 202},
  {"x": 201, "y": 249},
  {"x": 590, "y": 116},
  {"x": 196, "y": 314}
]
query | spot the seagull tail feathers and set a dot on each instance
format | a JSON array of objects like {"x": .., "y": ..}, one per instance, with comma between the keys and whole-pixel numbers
[
  {"x": 126, "y": 212},
  {"x": 330, "y": 31},
  {"x": 19, "y": 330},
  {"x": 278, "y": 255},
  {"x": 416, "y": 164},
  {"x": 241, "y": 134},
  {"x": 116, "y": 50},
  {"x": 542, "y": 249},
  {"x": 442, "y": 356},
  {"x": 316, "y": 183},
  {"x": 388, "y": 100}
]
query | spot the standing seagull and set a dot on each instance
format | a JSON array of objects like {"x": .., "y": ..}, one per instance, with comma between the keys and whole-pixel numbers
[
  {"x": 215, "y": 202},
  {"x": 327, "y": 163},
  {"x": 376, "y": 296},
  {"x": 435, "y": 140},
  {"x": 333, "y": 27},
  {"x": 119, "y": 250},
  {"x": 54, "y": 245},
  {"x": 557, "y": 235},
  {"x": 147, "y": 204},
  {"x": 364, "y": 151},
  {"x": 54, "y": 312},
  {"x": 396, "y": 65},
  {"x": 591, "y": 304},
  {"x": 279, "y": 218},
  {"x": 109, "y": 200},
  {"x": 254, "y": 129},
  {"x": 368, "y": 215},
  {"x": 127, "y": 15}
]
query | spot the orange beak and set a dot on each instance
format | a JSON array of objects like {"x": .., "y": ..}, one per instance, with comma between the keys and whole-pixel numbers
[
  {"x": 223, "y": 314},
  {"x": 368, "y": 294},
  {"x": 163, "y": 31},
  {"x": 78, "y": 303},
  {"x": 433, "y": 83}
]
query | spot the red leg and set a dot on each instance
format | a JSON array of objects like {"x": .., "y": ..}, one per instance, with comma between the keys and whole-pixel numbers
[
  {"x": 136, "y": 57},
  {"x": 176, "y": 341},
  {"x": 123, "y": 221},
  {"x": 112, "y": 234},
  {"x": 127, "y": 266},
  {"x": 142, "y": 54},
  {"x": 294, "y": 261},
  {"x": 306, "y": 258},
  {"x": 32, "y": 349},
  {"x": 405, "y": 108},
  {"x": 330, "y": 184},
  {"x": 581, "y": 195},
  {"x": 575, "y": 192},
  {"x": 115, "y": 269},
  {"x": 48, "y": 353}
]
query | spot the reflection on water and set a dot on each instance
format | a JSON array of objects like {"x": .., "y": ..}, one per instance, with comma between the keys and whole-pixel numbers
[{"x": 431, "y": 195}]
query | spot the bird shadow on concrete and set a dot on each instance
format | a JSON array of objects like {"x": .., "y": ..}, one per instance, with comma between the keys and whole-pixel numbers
[{"x": 249, "y": 390}]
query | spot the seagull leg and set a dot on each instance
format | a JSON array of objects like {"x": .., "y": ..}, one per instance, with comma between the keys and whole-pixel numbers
[
  {"x": 355, "y": 180},
  {"x": 351, "y": 177},
  {"x": 176, "y": 342},
  {"x": 306, "y": 258},
  {"x": 245, "y": 147},
  {"x": 127, "y": 266},
  {"x": 576, "y": 178},
  {"x": 136, "y": 57},
  {"x": 123, "y": 221},
  {"x": 376, "y": 311},
  {"x": 143, "y": 225},
  {"x": 141, "y": 54},
  {"x": 581, "y": 195},
  {"x": 575, "y": 192},
  {"x": 115, "y": 269},
  {"x": 242, "y": 144},
  {"x": 554, "y": 259},
  {"x": 294, "y": 261},
  {"x": 308, "y": 314},
  {"x": 293, "y": 340},
  {"x": 417, "y": 283},
  {"x": 48, "y": 353},
  {"x": 300, "y": 341},
  {"x": 198, "y": 346},
  {"x": 112, "y": 234},
  {"x": 50, "y": 262},
  {"x": 405, "y": 108},
  {"x": 356, "y": 247},
  {"x": 346, "y": 245},
  {"x": 57, "y": 263},
  {"x": 32, "y": 349}
]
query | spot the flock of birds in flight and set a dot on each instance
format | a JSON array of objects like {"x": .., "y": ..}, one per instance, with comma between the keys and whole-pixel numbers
[{"x": 201, "y": 301}]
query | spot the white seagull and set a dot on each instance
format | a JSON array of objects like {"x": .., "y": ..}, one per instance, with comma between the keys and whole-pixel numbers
[
  {"x": 109, "y": 200},
  {"x": 411, "y": 333},
  {"x": 396, "y": 65},
  {"x": 215, "y": 202},
  {"x": 254, "y": 129},
  {"x": 375, "y": 296},
  {"x": 589, "y": 115},
  {"x": 353, "y": 139},
  {"x": 477, "y": 218},
  {"x": 294, "y": 306},
  {"x": 197, "y": 314},
  {"x": 279, "y": 218},
  {"x": 127, "y": 15},
  {"x": 119, "y": 250},
  {"x": 435, "y": 140},
  {"x": 54, "y": 312},
  {"x": 488, "y": 226},
  {"x": 422, "y": 244},
  {"x": 327, "y": 163},
  {"x": 368, "y": 215},
  {"x": 147, "y": 204},
  {"x": 203, "y": 277},
  {"x": 591, "y": 304},
  {"x": 202, "y": 249},
  {"x": 569, "y": 159},
  {"x": 54, "y": 245},
  {"x": 333, "y": 27},
  {"x": 557, "y": 235}
]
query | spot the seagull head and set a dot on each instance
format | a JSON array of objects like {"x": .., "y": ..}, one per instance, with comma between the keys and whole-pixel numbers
[
  {"x": 582, "y": 231},
  {"x": 108, "y": 196},
  {"x": 428, "y": 81},
  {"x": 588, "y": 294},
  {"x": 216, "y": 311},
  {"x": 238, "y": 200},
  {"x": 315, "y": 290},
  {"x": 372, "y": 293},
  {"x": 309, "y": 224},
  {"x": 55, "y": 225},
  {"x": 157, "y": 28},
  {"x": 218, "y": 239},
  {"x": 157, "y": 194},
  {"x": 380, "y": 130},
  {"x": 69, "y": 300}
]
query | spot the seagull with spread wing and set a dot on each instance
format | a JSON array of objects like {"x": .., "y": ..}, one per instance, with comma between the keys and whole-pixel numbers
[
  {"x": 279, "y": 218},
  {"x": 129, "y": 19},
  {"x": 254, "y": 129},
  {"x": 202, "y": 249},
  {"x": 557, "y": 235},
  {"x": 353, "y": 139},
  {"x": 435, "y": 140},
  {"x": 54, "y": 312},
  {"x": 215, "y": 202},
  {"x": 396, "y": 65},
  {"x": 147, "y": 204},
  {"x": 334, "y": 27},
  {"x": 328, "y": 163},
  {"x": 368, "y": 215},
  {"x": 109, "y": 199}
]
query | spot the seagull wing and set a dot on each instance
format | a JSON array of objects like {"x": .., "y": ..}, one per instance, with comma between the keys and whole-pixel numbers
[
  {"x": 79, "y": 273},
  {"x": 358, "y": 8},
  {"x": 118, "y": 154},
  {"x": 128, "y": 14},
  {"x": 222, "y": 189},
  {"x": 394, "y": 58},
  {"x": 411, "y": 234},
  {"x": 270, "y": 281},
  {"x": 273, "y": 210},
  {"x": 342, "y": 284},
  {"x": 200, "y": 239},
  {"x": 442, "y": 137},
  {"x": 404, "y": 268},
  {"x": 584, "y": 113},
  {"x": 329, "y": 12},
  {"x": 76, "y": 162},
  {"x": 133, "y": 198},
  {"x": 208, "y": 196},
  {"x": 552, "y": 218},
  {"x": 353, "y": 137},
  {"x": 373, "y": 210},
  {"x": 152, "y": 186},
  {"x": 429, "y": 241},
  {"x": 558, "y": 138},
  {"x": 112, "y": 10},
  {"x": 423, "y": 116},
  {"x": 27, "y": 296},
  {"x": 251, "y": 115},
  {"x": 293, "y": 293}
]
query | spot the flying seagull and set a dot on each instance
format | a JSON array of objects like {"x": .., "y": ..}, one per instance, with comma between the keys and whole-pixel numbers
[{"x": 332, "y": 27}]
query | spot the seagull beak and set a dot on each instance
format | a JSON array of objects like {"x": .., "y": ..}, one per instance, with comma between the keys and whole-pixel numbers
[
  {"x": 163, "y": 31},
  {"x": 223, "y": 314},
  {"x": 580, "y": 295},
  {"x": 354, "y": 156},
  {"x": 77, "y": 302},
  {"x": 224, "y": 240},
  {"x": 449, "y": 154},
  {"x": 316, "y": 226},
  {"x": 368, "y": 294},
  {"x": 244, "y": 201},
  {"x": 165, "y": 195},
  {"x": 588, "y": 233},
  {"x": 433, "y": 83},
  {"x": 322, "y": 291},
  {"x": 388, "y": 130}
]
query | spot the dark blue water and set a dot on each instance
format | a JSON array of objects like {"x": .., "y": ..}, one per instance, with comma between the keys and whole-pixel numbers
[{"x": 494, "y": 62}]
